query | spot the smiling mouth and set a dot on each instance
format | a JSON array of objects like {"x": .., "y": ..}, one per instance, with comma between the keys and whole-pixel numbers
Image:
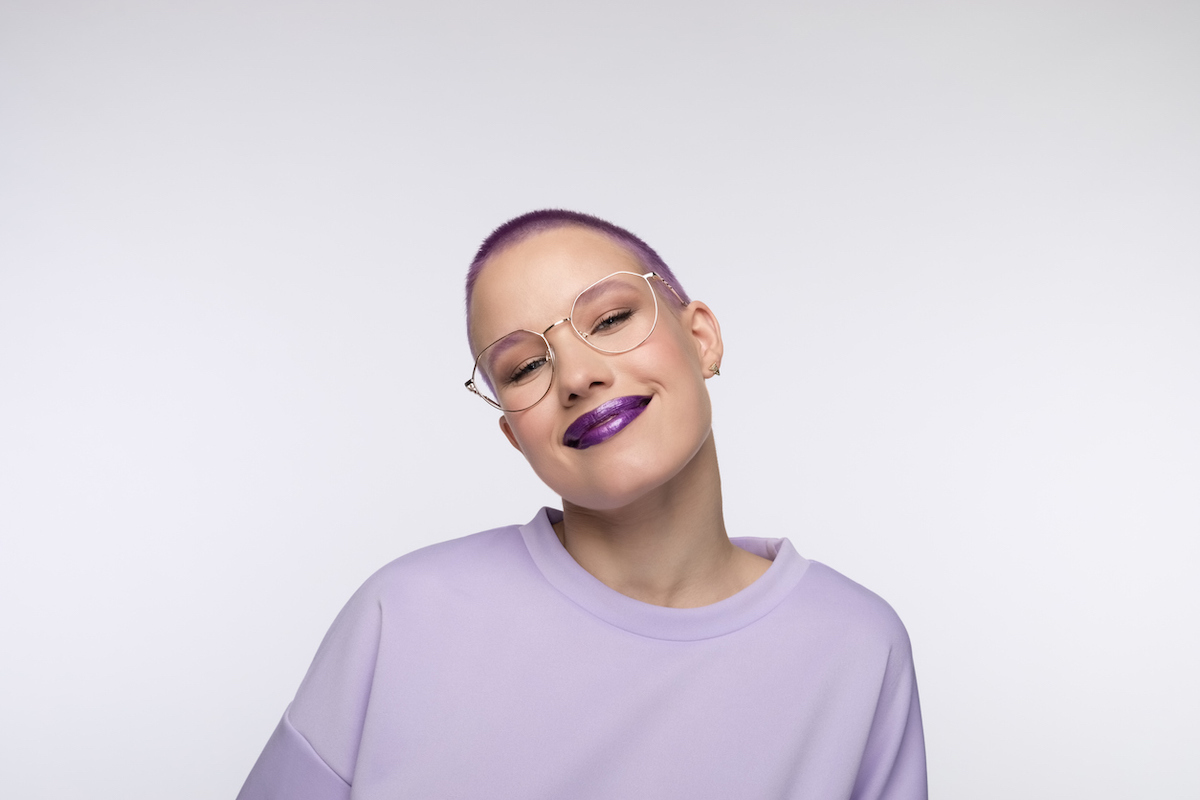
[{"x": 604, "y": 421}]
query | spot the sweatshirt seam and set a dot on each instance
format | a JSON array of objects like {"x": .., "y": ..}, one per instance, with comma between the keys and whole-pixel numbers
[
  {"x": 288, "y": 721},
  {"x": 636, "y": 630}
]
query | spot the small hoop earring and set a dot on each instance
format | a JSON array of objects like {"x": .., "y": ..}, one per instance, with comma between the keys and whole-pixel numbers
[{"x": 714, "y": 369}]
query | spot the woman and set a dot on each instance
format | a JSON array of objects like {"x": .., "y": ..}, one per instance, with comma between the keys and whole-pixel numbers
[{"x": 624, "y": 647}]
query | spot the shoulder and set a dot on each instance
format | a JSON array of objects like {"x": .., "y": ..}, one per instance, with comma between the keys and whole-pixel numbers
[
  {"x": 475, "y": 571},
  {"x": 857, "y": 616},
  {"x": 474, "y": 564}
]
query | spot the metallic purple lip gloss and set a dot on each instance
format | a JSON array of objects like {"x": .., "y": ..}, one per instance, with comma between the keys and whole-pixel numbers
[{"x": 604, "y": 421}]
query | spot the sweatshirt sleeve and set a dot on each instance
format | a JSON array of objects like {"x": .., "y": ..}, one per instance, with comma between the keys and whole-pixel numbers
[
  {"x": 893, "y": 764},
  {"x": 312, "y": 754},
  {"x": 289, "y": 769}
]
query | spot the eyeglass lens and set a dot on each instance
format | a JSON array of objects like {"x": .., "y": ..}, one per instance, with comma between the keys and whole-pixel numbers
[{"x": 613, "y": 316}]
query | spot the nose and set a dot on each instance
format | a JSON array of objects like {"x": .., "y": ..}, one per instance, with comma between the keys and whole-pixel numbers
[{"x": 579, "y": 369}]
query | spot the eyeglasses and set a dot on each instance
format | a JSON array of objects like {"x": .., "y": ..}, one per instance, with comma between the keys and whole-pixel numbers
[{"x": 613, "y": 315}]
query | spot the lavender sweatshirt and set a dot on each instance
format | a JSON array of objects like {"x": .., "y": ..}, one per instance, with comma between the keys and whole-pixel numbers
[{"x": 494, "y": 666}]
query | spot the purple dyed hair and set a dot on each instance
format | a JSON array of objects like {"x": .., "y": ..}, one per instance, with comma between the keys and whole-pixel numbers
[{"x": 526, "y": 225}]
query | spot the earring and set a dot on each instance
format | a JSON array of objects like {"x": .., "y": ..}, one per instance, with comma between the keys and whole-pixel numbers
[{"x": 714, "y": 369}]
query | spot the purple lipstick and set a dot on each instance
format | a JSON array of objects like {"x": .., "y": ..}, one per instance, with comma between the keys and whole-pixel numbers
[{"x": 604, "y": 421}]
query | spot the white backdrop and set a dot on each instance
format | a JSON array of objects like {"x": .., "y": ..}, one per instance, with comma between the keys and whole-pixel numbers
[{"x": 955, "y": 249}]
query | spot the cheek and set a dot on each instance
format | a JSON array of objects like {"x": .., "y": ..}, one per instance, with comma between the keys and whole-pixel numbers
[
  {"x": 532, "y": 432},
  {"x": 674, "y": 346},
  {"x": 673, "y": 361}
]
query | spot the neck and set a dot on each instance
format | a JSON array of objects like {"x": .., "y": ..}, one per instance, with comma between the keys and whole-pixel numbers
[{"x": 669, "y": 547}]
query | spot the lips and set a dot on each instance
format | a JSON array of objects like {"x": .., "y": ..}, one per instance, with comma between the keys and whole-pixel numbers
[{"x": 604, "y": 421}]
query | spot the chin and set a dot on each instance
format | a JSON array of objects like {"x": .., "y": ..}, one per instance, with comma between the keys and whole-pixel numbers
[{"x": 618, "y": 486}]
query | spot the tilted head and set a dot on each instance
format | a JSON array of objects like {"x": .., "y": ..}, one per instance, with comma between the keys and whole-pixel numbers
[{"x": 615, "y": 422}]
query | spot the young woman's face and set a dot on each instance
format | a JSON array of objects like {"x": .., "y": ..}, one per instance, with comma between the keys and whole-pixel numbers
[{"x": 662, "y": 412}]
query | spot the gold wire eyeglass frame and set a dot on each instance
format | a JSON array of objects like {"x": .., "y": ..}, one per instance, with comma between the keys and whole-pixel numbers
[{"x": 472, "y": 387}]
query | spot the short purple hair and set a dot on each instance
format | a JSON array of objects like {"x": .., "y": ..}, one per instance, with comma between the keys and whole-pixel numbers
[{"x": 526, "y": 225}]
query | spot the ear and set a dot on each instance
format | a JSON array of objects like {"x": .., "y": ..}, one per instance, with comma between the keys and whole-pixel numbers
[
  {"x": 700, "y": 321},
  {"x": 512, "y": 439}
]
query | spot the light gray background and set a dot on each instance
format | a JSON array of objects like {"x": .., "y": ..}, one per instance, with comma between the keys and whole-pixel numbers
[{"x": 955, "y": 252}]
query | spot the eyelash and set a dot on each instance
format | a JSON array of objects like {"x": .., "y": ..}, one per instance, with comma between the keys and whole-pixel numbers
[
  {"x": 525, "y": 370},
  {"x": 611, "y": 320},
  {"x": 614, "y": 318}
]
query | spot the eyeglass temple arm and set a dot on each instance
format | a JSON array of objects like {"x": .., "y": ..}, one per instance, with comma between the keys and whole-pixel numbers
[{"x": 666, "y": 283}]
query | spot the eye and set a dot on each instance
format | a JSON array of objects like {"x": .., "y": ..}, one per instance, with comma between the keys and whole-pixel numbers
[
  {"x": 526, "y": 370},
  {"x": 611, "y": 321}
]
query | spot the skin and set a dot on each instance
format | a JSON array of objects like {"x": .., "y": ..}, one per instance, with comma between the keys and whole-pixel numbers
[{"x": 642, "y": 511}]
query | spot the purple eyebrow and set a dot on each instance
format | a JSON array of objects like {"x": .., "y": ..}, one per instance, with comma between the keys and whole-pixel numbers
[
  {"x": 503, "y": 345},
  {"x": 526, "y": 225}
]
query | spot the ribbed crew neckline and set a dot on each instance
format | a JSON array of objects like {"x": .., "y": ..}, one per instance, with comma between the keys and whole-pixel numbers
[{"x": 659, "y": 622}]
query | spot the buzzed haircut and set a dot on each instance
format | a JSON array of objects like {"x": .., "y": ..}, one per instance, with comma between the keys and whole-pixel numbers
[{"x": 526, "y": 225}]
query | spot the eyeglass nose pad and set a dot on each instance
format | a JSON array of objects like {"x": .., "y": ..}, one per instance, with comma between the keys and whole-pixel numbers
[{"x": 584, "y": 366}]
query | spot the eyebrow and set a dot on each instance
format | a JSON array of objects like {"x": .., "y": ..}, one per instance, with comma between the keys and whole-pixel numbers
[
  {"x": 502, "y": 345},
  {"x": 597, "y": 289}
]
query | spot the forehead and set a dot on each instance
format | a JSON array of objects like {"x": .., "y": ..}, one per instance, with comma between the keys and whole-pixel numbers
[{"x": 532, "y": 283}]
